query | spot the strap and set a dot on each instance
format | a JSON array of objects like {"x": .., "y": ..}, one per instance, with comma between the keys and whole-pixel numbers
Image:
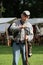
[{"x": 21, "y": 22}]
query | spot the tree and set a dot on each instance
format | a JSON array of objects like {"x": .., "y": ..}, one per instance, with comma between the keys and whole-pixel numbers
[
  {"x": 15, "y": 7},
  {"x": 2, "y": 9}
]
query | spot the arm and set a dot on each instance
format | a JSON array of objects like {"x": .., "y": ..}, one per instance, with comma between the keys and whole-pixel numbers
[{"x": 29, "y": 33}]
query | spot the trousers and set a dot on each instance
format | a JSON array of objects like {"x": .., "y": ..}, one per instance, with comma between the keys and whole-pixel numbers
[{"x": 17, "y": 49}]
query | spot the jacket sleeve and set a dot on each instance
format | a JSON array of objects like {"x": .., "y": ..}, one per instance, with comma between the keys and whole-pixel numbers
[
  {"x": 29, "y": 28},
  {"x": 29, "y": 32}
]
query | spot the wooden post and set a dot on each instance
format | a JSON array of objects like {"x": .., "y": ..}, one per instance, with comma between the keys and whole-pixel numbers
[{"x": 8, "y": 41}]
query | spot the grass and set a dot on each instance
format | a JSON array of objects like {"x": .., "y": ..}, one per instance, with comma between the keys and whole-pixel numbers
[
  {"x": 37, "y": 57},
  {"x": 6, "y": 56}
]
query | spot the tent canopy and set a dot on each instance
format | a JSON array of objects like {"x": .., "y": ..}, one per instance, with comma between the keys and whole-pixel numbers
[
  {"x": 6, "y": 20},
  {"x": 3, "y": 27},
  {"x": 4, "y": 24},
  {"x": 34, "y": 21}
]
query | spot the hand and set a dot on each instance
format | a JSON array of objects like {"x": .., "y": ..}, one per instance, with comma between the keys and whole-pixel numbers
[
  {"x": 20, "y": 26},
  {"x": 23, "y": 26},
  {"x": 26, "y": 37}
]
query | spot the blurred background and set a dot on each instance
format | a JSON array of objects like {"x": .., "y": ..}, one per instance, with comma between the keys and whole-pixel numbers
[{"x": 13, "y": 8}]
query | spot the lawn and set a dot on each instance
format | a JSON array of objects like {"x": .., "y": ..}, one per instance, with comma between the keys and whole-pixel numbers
[{"x": 6, "y": 56}]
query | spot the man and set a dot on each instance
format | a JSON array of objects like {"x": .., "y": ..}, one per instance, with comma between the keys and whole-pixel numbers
[{"x": 24, "y": 28}]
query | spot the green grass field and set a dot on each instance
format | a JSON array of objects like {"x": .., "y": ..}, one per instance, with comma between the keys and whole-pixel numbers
[{"x": 6, "y": 56}]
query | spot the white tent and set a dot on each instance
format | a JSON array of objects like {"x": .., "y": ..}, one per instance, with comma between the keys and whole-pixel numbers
[
  {"x": 6, "y": 20},
  {"x": 3, "y": 27},
  {"x": 4, "y": 24},
  {"x": 34, "y": 21}
]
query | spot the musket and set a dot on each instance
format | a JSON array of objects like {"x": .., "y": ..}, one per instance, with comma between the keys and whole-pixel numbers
[{"x": 26, "y": 49}]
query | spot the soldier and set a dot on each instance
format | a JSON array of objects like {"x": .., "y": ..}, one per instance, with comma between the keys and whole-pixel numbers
[{"x": 23, "y": 27}]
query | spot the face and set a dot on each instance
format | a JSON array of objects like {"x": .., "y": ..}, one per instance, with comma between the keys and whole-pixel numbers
[{"x": 23, "y": 17}]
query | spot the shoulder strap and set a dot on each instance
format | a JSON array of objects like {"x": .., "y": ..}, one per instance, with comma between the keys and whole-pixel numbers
[
  {"x": 21, "y": 22},
  {"x": 9, "y": 31}
]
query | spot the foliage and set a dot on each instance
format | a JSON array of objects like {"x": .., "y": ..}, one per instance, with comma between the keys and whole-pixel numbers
[{"x": 15, "y": 7}]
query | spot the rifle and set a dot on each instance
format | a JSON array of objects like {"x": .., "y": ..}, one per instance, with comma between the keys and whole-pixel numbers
[{"x": 26, "y": 49}]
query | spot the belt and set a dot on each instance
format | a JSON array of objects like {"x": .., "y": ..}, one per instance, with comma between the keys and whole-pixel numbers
[{"x": 20, "y": 42}]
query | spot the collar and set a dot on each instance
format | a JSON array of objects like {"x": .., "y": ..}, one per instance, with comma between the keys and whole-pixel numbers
[{"x": 24, "y": 21}]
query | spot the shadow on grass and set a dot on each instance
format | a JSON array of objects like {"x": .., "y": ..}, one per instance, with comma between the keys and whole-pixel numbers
[
  {"x": 37, "y": 49},
  {"x": 8, "y": 50},
  {"x": 5, "y": 50}
]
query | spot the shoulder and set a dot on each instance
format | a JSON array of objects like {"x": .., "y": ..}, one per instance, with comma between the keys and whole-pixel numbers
[
  {"x": 28, "y": 23},
  {"x": 16, "y": 21}
]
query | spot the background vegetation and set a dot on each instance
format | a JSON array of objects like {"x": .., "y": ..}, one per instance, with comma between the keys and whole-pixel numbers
[{"x": 13, "y": 8}]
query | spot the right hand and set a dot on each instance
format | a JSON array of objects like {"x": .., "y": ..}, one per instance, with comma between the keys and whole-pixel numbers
[{"x": 20, "y": 26}]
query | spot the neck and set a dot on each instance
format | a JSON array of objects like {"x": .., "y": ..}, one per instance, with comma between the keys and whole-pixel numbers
[{"x": 26, "y": 19}]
